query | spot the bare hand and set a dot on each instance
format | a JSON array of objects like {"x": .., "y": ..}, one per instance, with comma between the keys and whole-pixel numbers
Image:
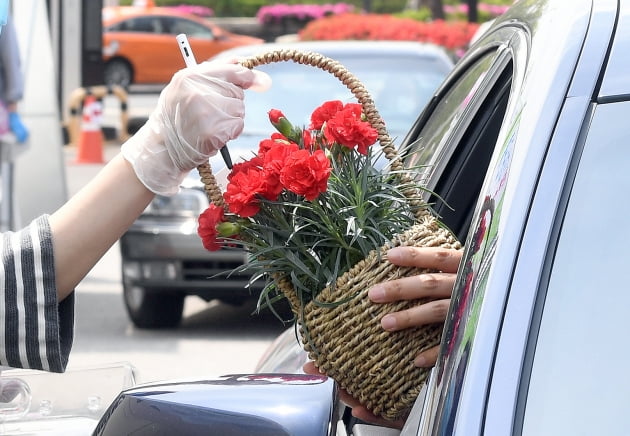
[{"x": 437, "y": 285}]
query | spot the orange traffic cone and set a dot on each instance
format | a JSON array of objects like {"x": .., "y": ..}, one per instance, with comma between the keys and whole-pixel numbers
[{"x": 91, "y": 137}]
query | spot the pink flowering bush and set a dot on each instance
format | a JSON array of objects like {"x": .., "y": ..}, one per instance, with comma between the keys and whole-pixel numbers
[
  {"x": 486, "y": 11},
  {"x": 305, "y": 12},
  {"x": 200, "y": 11}
]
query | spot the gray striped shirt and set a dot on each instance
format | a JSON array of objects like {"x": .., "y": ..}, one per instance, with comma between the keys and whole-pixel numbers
[{"x": 36, "y": 332}]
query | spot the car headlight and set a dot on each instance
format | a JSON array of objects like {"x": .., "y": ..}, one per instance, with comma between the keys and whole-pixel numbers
[{"x": 185, "y": 202}]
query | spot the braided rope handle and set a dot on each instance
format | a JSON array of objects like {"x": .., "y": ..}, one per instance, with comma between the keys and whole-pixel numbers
[{"x": 363, "y": 97}]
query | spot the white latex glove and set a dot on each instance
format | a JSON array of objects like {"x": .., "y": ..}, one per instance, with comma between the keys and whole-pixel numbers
[{"x": 198, "y": 112}]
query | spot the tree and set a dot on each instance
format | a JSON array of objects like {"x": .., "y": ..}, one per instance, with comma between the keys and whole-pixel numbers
[
  {"x": 436, "y": 7},
  {"x": 473, "y": 16}
]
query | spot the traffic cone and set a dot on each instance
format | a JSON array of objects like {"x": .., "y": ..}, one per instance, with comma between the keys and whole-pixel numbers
[{"x": 91, "y": 137}]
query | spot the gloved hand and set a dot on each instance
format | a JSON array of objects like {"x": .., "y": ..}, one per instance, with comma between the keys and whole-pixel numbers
[
  {"x": 17, "y": 127},
  {"x": 197, "y": 113}
]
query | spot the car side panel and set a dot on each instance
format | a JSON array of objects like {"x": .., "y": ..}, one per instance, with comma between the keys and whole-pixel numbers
[
  {"x": 544, "y": 63},
  {"x": 142, "y": 52}
]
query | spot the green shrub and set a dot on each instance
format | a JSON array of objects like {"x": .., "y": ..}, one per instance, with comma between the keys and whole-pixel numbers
[{"x": 422, "y": 14}]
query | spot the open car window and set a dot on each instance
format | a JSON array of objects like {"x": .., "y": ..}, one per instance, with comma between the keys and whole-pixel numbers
[{"x": 456, "y": 138}]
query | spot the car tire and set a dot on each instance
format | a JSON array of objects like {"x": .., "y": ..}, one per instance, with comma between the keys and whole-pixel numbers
[
  {"x": 153, "y": 310},
  {"x": 118, "y": 72}
]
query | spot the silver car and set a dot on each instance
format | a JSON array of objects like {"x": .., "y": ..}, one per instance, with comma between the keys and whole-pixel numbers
[
  {"x": 163, "y": 259},
  {"x": 527, "y": 142}
]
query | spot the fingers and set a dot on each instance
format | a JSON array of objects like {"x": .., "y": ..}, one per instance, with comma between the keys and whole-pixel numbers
[
  {"x": 310, "y": 368},
  {"x": 229, "y": 72},
  {"x": 427, "y": 358},
  {"x": 436, "y": 285},
  {"x": 363, "y": 414},
  {"x": 428, "y": 313},
  {"x": 441, "y": 259}
]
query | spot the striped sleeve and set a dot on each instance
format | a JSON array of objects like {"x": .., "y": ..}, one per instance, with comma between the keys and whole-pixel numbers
[{"x": 35, "y": 331}]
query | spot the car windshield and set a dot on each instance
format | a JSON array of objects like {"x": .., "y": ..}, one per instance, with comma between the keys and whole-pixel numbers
[{"x": 399, "y": 86}]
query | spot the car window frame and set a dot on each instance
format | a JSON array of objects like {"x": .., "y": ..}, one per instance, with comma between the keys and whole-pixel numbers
[
  {"x": 512, "y": 41},
  {"x": 485, "y": 103}
]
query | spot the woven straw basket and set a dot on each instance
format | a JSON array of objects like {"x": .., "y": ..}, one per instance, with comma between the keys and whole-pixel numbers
[{"x": 346, "y": 341}]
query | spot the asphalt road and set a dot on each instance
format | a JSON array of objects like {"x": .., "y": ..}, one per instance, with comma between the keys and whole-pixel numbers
[{"x": 214, "y": 339}]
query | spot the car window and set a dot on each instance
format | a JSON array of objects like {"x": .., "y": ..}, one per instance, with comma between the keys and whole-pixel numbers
[
  {"x": 454, "y": 147},
  {"x": 139, "y": 24},
  {"x": 574, "y": 386},
  {"x": 190, "y": 28}
]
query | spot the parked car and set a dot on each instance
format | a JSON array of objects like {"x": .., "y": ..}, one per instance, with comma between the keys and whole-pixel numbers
[
  {"x": 139, "y": 45},
  {"x": 163, "y": 259}
]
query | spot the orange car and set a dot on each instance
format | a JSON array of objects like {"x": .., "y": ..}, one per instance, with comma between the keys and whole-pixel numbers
[{"x": 139, "y": 45}]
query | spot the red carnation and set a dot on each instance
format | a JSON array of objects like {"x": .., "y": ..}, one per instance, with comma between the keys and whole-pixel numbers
[
  {"x": 348, "y": 129},
  {"x": 207, "y": 228},
  {"x": 325, "y": 112},
  {"x": 306, "y": 174},
  {"x": 266, "y": 144},
  {"x": 273, "y": 163},
  {"x": 255, "y": 162},
  {"x": 242, "y": 190}
]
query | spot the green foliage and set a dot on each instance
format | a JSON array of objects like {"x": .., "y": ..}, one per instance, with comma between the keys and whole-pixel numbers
[
  {"x": 422, "y": 14},
  {"x": 316, "y": 242}
]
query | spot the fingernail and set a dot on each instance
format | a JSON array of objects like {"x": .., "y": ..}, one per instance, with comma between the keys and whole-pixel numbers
[
  {"x": 420, "y": 361},
  {"x": 377, "y": 294},
  {"x": 393, "y": 254},
  {"x": 388, "y": 322}
]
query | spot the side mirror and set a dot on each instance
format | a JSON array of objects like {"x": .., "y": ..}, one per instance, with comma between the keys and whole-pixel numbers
[{"x": 261, "y": 404}]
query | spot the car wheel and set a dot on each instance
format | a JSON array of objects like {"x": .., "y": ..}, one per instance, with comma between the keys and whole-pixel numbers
[
  {"x": 118, "y": 72},
  {"x": 153, "y": 309}
]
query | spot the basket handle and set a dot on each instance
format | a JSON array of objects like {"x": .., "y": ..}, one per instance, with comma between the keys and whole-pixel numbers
[{"x": 353, "y": 84}]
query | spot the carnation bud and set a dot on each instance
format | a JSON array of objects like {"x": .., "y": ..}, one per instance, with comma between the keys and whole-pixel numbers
[
  {"x": 227, "y": 229},
  {"x": 275, "y": 115},
  {"x": 281, "y": 124}
]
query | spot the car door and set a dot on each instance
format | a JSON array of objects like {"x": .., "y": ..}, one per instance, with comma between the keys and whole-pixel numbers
[
  {"x": 144, "y": 41},
  {"x": 567, "y": 306},
  {"x": 543, "y": 79}
]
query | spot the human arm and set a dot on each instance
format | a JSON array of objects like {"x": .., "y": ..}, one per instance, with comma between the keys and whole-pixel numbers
[
  {"x": 197, "y": 113},
  {"x": 42, "y": 263},
  {"x": 90, "y": 222},
  {"x": 65, "y": 245}
]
